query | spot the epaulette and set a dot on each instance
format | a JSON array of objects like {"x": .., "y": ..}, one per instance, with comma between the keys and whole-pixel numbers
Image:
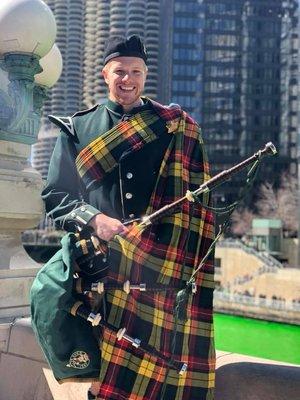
[
  {"x": 83, "y": 112},
  {"x": 66, "y": 125}
]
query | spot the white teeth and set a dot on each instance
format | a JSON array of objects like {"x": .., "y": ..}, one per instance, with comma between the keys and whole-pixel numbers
[{"x": 127, "y": 88}]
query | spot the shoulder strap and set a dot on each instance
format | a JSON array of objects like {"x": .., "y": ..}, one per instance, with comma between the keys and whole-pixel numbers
[{"x": 66, "y": 125}]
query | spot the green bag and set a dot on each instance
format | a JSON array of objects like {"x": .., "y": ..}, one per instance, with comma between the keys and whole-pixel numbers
[{"x": 68, "y": 342}]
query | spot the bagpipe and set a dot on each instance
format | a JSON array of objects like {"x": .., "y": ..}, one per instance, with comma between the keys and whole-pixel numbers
[{"x": 73, "y": 282}]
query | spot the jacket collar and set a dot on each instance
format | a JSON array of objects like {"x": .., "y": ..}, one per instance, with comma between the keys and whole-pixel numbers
[{"x": 118, "y": 109}]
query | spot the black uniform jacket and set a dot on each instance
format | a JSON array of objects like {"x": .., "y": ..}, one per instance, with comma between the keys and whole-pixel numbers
[{"x": 124, "y": 193}]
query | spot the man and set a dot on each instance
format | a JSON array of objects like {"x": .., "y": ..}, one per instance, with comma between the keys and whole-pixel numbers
[{"x": 111, "y": 165}]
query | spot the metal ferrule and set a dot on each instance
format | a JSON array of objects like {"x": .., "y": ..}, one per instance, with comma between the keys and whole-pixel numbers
[
  {"x": 146, "y": 221},
  {"x": 97, "y": 287},
  {"x": 94, "y": 319},
  {"x": 141, "y": 287},
  {"x": 194, "y": 288},
  {"x": 127, "y": 287},
  {"x": 122, "y": 335},
  {"x": 183, "y": 369}
]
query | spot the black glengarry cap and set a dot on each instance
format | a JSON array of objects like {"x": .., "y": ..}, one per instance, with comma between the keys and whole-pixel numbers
[{"x": 117, "y": 46}]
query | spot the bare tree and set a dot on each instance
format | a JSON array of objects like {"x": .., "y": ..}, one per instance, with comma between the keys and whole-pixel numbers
[
  {"x": 242, "y": 221},
  {"x": 280, "y": 203}
]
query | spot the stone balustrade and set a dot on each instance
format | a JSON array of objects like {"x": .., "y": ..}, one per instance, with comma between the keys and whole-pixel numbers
[{"x": 26, "y": 376}]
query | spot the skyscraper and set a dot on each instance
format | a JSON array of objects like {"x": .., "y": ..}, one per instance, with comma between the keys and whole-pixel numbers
[
  {"x": 118, "y": 18},
  {"x": 187, "y": 56},
  {"x": 289, "y": 54},
  {"x": 42, "y": 151},
  {"x": 234, "y": 66},
  {"x": 96, "y": 32},
  {"x": 66, "y": 96},
  {"x": 248, "y": 82}
]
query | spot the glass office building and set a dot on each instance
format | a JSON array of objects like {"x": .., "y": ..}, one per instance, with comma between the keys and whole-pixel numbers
[
  {"x": 248, "y": 85},
  {"x": 187, "y": 56}
]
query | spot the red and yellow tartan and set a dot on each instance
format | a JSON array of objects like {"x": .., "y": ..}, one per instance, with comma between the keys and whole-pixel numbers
[{"x": 165, "y": 253}]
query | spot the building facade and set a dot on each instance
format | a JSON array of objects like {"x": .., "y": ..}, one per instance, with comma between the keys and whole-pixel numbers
[
  {"x": 249, "y": 85},
  {"x": 232, "y": 64},
  {"x": 119, "y": 18},
  {"x": 65, "y": 97},
  {"x": 290, "y": 61},
  {"x": 187, "y": 56},
  {"x": 42, "y": 151}
]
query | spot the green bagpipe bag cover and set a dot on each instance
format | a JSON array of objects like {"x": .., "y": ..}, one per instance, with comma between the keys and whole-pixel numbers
[{"x": 67, "y": 341}]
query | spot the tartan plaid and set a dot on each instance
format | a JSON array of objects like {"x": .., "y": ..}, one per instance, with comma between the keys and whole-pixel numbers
[
  {"x": 165, "y": 253},
  {"x": 102, "y": 155}
]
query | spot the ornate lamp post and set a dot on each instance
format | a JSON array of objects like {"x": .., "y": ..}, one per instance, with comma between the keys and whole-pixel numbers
[{"x": 29, "y": 63}]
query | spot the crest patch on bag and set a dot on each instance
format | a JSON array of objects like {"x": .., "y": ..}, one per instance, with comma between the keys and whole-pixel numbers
[{"x": 79, "y": 360}]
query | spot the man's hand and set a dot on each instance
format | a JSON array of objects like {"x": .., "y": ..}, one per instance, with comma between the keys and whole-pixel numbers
[{"x": 106, "y": 228}]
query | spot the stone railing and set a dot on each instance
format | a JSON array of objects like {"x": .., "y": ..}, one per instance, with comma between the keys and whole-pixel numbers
[
  {"x": 263, "y": 379},
  {"x": 264, "y": 269},
  {"x": 273, "y": 304},
  {"x": 266, "y": 258}
]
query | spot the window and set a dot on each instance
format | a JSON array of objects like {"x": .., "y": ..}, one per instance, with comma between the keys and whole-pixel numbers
[
  {"x": 221, "y": 55},
  {"x": 187, "y": 38},
  {"x": 222, "y": 40},
  {"x": 223, "y": 8},
  {"x": 185, "y": 85},
  {"x": 186, "y": 70},
  {"x": 181, "y": 7},
  {"x": 218, "y": 71},
  {"x": 186, "y": 54},
  {"x": 187, "y": 22},
  {"x": 221, "y": 24}
]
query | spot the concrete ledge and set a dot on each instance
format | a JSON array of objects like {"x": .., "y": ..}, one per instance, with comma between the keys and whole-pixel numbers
[
  {"x": 23, "y": 379},
  {"x": 24, "y": 373},
  {"x": 224, "y": 358},
  {"x": 257, "y": 381},
  {"x": 26, "y": 376},
  {"x": 22, "y": 342},
  {"x": 5, "y": 327},
  {"x": 15, "y": 285}
]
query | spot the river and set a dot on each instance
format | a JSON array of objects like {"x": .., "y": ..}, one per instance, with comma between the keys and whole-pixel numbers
[{"x": 272, "y": 340}]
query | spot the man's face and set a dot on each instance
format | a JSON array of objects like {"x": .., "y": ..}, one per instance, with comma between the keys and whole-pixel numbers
[{"x": 125, "y": 77}]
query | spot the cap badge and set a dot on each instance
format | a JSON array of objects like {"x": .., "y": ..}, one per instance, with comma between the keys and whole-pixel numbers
[{"x": 172, "y": 125}]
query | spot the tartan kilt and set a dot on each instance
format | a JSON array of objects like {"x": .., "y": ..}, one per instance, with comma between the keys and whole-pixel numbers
[{"x": 129, "y": 373}]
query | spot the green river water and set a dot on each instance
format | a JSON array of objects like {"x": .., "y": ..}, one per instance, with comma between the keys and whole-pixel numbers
[{"x": 272, "y": 340}]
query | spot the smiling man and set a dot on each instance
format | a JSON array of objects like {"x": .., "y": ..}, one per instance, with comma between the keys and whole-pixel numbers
[
  {"x": 113, "y": 164},
  {"x": 125, "y": 78}
]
